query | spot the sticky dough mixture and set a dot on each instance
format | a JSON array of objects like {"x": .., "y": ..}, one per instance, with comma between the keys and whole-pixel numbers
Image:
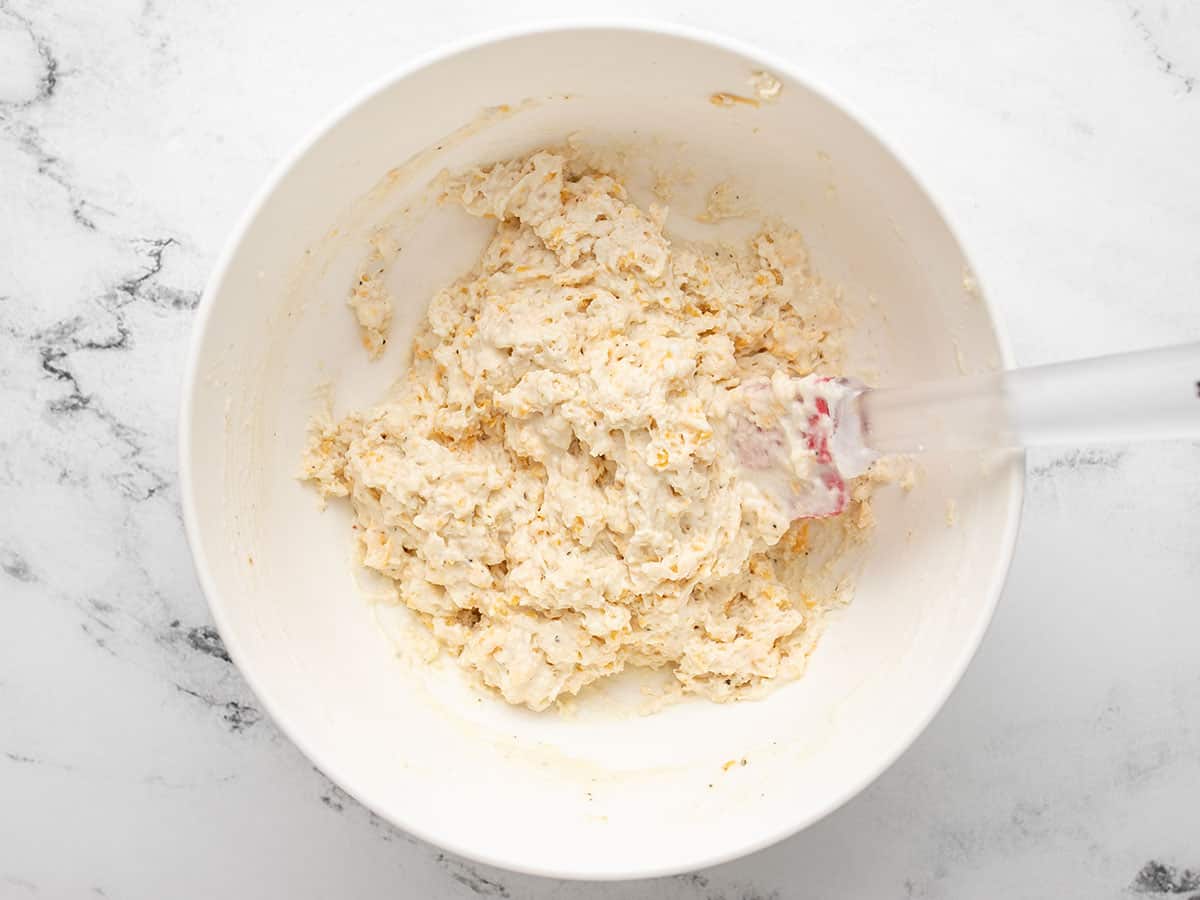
[{"x": 551, "y": 487}]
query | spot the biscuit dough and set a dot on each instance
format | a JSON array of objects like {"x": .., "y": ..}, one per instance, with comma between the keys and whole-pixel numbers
[{"x": 552, "y": 488}]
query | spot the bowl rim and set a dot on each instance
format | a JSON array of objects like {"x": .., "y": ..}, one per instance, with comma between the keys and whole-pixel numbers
[{"x": 273, "y": 708}]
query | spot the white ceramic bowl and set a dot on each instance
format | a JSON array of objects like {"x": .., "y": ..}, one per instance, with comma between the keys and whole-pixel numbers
[{"x": 601, "y": 794}]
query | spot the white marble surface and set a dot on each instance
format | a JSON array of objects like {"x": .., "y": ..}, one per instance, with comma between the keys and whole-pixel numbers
[{"x": 1065, "y": 139}]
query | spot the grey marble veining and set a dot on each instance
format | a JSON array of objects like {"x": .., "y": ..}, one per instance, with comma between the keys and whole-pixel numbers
[{"x": 133, "y": 760}]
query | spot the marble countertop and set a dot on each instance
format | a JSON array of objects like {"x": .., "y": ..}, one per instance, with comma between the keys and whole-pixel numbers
[{"x": 134, "y": 763}]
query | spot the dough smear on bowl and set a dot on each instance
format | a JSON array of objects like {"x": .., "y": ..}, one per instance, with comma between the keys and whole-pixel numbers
[{"x": 551, "y": 487}]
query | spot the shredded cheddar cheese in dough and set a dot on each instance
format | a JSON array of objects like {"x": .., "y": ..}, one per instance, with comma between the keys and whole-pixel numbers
[{"x": 551, "y": 487}]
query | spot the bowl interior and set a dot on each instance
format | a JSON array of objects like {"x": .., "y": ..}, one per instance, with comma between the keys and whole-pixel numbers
[{"x": 603, "y": 792}]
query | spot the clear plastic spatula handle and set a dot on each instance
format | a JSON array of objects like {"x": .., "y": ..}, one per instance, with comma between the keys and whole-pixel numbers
[{"x": 1148, "y": 395}]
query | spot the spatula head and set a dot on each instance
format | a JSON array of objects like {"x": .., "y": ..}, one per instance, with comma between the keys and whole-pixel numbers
[{"x": 784, "y": 432}]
